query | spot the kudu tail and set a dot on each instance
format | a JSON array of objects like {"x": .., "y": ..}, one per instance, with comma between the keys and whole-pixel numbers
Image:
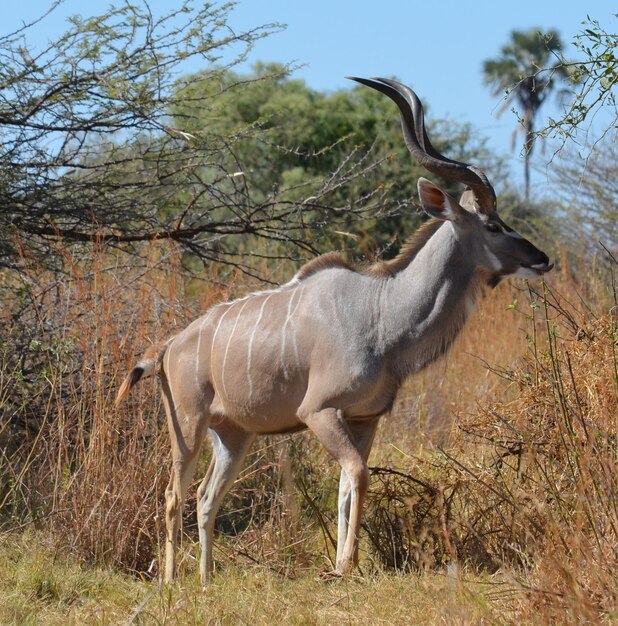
[{"x": 147, "y": 366}]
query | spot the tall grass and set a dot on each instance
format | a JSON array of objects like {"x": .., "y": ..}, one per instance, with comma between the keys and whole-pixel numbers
[
  {"x": 499, "y": 460},
  {"x": 70, "y": 461}
]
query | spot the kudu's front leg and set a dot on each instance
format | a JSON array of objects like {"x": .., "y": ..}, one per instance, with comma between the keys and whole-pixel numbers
[
  {"x": 336, "y": 436},
  {"x": 363, "y": 433}
]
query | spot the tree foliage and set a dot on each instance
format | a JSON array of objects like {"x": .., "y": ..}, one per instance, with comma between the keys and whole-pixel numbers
[
  {"x": 87, "y": 149},
  {"x": 293, "y": 138},
  {"x": 597, "y": 74},
  {"x": 105, "y": 140},
  {"x": 587, "y": 198},
  {"x": 91, "y": 153}
]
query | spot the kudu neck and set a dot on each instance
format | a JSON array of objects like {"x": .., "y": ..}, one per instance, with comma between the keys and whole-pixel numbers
[{"x": 429, "y": 300}]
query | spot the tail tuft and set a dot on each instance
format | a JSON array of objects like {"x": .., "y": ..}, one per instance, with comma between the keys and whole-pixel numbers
[
  {"x": 130, "y": 381},
  {"x": 147, "y": 366}
]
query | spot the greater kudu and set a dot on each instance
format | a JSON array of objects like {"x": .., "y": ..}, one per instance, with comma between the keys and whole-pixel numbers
[{"x": 329, "y": 350}]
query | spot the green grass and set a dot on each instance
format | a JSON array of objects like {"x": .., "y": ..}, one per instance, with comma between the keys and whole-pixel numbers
[{"x": 40, "y": 585}]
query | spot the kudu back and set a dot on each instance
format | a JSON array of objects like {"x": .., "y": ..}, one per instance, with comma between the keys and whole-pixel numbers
[{"x": 329, "y": 349}]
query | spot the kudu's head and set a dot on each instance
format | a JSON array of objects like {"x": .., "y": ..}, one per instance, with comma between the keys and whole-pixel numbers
[{"x": 498, "y": 250}]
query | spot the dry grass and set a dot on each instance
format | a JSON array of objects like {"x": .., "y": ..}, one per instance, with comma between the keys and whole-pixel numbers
[{"x": 493, "y": 497}]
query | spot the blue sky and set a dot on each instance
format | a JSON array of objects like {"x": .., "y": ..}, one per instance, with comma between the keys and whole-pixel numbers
[{"x": 437, "y": 47}]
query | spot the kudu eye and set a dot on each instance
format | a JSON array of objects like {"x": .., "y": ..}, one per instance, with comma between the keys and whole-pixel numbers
[{"x": 492, "y": 227}]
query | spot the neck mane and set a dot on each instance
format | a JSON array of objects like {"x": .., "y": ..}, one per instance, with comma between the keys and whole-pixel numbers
[
  {"x": 407, "y": 254},
  {"x": 414, "y": 244}
]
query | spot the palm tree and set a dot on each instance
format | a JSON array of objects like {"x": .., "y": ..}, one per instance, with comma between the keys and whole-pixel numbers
[{"x": 528, "y": 69}]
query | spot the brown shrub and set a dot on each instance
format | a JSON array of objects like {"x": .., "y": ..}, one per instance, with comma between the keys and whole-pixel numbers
[{"x": 527, "y": 482}]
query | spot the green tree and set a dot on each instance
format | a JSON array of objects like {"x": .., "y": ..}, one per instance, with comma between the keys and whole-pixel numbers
[
  {"x": 528, "y": 69},
  {"x": 90, "y": 152},
  {"x": 293, "y": 138},
  {"x": 103, "y": 142}
]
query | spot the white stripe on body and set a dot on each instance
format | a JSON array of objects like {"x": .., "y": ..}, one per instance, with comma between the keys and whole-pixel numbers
[
  {"x": 229, "y": 341},
  {"x": 230, "y": 305},
  {"x": 251, "y": 340},
  {"x": 199, "y": 342},
  {"x": 289, "y": 322}
]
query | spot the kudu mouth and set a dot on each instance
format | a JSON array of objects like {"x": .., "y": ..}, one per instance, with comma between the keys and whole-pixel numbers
[
  {"x": 537, "y": 262},
  {"x": 539, "y": 268}
]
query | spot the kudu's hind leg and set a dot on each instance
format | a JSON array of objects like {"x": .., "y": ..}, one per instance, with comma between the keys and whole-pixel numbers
[
  {"x": 230, "y": 445},
  {"x": 363, "y": 433},
  {"x": 180, "y": 478},
  {"x": 186, "y": 428},
  {"x": 336, "y": 436}
]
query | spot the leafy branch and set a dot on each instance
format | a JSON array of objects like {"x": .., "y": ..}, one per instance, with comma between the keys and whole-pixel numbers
[{"x": 596, "y": 75}]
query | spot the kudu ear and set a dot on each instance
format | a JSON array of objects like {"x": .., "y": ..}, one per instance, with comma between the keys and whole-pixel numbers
[{"x": 436, "y": 202}]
